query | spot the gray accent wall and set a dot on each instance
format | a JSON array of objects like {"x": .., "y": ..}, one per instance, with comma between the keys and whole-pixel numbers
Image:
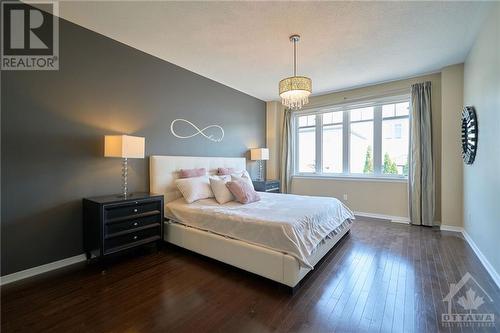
[
  {"x": 53, "y": 124},
  {"x": 482, "y": 179}
]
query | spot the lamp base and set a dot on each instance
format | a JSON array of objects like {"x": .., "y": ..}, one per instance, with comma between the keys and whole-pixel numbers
[
  {"x": 125, "y": 196},
  {"x": 259, "y": 175},
  {"x": 125, "y": 193}
]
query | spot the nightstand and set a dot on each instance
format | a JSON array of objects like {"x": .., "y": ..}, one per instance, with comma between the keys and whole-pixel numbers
[
  {"x": 112, "y": 223},
  {"x": 272, "y": 186}
]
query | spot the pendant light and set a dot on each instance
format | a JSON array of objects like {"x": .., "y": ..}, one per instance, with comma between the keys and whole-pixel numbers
[{"x": 295, "y": 90}]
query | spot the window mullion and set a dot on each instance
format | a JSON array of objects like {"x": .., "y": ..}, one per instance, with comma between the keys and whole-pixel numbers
[
  {"x": 319, "y": 143},
  {"x": 345, "y": 141},
  {"x": 377, "y": 140}
]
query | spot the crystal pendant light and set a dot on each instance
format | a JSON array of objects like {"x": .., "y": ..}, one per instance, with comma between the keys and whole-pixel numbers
[{"x": 295, "y": 90}]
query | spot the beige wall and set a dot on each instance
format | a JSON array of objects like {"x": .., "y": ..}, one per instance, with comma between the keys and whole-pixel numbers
[
  {"x": 451, "y": 159},
  {"x": 377, "y": 197},
  {"x": 482, "y": 179}
]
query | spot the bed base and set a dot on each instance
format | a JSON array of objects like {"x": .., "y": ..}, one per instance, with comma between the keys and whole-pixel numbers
[
  {"x": 295, "y": 288},
  {"x": 270, "y": 264}
]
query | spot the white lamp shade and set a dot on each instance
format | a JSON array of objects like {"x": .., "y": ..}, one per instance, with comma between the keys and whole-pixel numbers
[
  {"x": 259, "y": 154},
  {"x": 124, "y": 146}
]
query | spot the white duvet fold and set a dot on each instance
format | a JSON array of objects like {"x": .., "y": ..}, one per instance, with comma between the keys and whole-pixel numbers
[{"x": 291, "y": 224}]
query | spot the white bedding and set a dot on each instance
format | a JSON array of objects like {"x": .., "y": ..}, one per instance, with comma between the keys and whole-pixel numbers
[{"x": 288, "y": 223}]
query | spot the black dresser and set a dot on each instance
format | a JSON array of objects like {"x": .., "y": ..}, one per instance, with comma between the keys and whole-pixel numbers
[
  {"x": 272, "y": 186},
  {"x": 113, "y": 223}
]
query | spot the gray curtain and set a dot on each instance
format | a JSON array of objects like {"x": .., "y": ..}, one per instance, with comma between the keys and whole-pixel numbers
[
  {"x": 286, "y": 152},
  {"x": 421, "y": 173}
]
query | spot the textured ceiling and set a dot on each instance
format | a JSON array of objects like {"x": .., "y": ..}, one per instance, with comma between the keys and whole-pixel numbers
[{"x": 245, "y": 44}]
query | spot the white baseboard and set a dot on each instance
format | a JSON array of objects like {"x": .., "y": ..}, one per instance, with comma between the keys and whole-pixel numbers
[
  {"x": 445, "y": 227},
  {"x": 487, "y": 265},
  {"x": 489, "y": 268},
  {"x": 41, "y": 269},
  {"x": 396, "y": 219}
]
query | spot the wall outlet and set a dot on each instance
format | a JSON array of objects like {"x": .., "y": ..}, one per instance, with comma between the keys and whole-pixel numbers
[{"x": 345, "y": 196}]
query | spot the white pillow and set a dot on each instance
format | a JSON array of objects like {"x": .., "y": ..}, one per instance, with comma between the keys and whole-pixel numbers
[
  {"x": 221, "y": 192},
  {"x": 244, "y": 177},
  {"x": 195, "y": 188},
  {"x": 241, "y": 173}
]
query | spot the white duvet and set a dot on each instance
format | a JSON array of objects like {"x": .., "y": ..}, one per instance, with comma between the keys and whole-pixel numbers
[{"x": 291, "y": 224}]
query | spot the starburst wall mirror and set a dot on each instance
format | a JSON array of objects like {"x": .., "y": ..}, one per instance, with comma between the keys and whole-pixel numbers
[{"x": 469, "y": 134}]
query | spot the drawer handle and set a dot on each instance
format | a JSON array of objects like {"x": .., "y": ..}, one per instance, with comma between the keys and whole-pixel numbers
[
  {"x": 135, "y": 210},
  {"x": 136, "y": 224},
  {"x": 135, "y": 237}
]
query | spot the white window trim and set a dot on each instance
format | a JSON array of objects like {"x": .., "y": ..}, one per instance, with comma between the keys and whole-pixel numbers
[
  {"x": 377, "y": 146},
  {"x": 354, "y": 177}
]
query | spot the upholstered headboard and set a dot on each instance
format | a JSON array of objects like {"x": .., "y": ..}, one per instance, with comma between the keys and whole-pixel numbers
[{"x": 164, "y": 170}]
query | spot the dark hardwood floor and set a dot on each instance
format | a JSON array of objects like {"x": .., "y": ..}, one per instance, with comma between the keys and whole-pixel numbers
[{"x": 383, "y": 277}]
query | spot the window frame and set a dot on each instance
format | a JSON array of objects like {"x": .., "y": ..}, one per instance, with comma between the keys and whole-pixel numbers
[{"x": 378, "y": 118}]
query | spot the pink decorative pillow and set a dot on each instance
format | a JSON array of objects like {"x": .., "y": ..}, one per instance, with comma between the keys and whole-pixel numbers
[
  {"x": 244, "y": 178},
  {"x": 190, "y": 173},
  {"x": 225, "y": 171},
  {"x": 243, "y": 192}
]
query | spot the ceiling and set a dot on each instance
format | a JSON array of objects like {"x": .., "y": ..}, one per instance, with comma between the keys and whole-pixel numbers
[{"x": 245, "y": 45}]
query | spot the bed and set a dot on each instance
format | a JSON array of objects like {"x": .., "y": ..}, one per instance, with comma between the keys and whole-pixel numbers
[{"x": 281, "y": 237}]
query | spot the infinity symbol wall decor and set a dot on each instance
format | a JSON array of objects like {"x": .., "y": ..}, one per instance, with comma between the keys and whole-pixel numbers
[{"x": 198, "y": 131}]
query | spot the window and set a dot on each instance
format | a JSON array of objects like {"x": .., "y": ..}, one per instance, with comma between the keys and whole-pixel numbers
[
  {"x": 361, "y": 141},
  {"x": 332, "y": 142},
  {"x": 395, "y": 142},
  {"x": 307, "y": 144},
  {"x": 369, "y": 140}
]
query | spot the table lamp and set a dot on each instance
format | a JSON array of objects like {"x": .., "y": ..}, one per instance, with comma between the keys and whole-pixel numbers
[
  {"x": 259, "y": 155},
  {"x": 124, "y": 146}
]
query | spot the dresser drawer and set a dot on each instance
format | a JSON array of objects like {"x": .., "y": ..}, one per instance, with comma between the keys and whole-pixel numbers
[
  {"x": 129, "y": 240},
  {"x": 112, "y": 228},
  {"x": 267, "y": 185},
  {"x": 112, "y": 223},
  {"x": 124, "y": 211}
]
